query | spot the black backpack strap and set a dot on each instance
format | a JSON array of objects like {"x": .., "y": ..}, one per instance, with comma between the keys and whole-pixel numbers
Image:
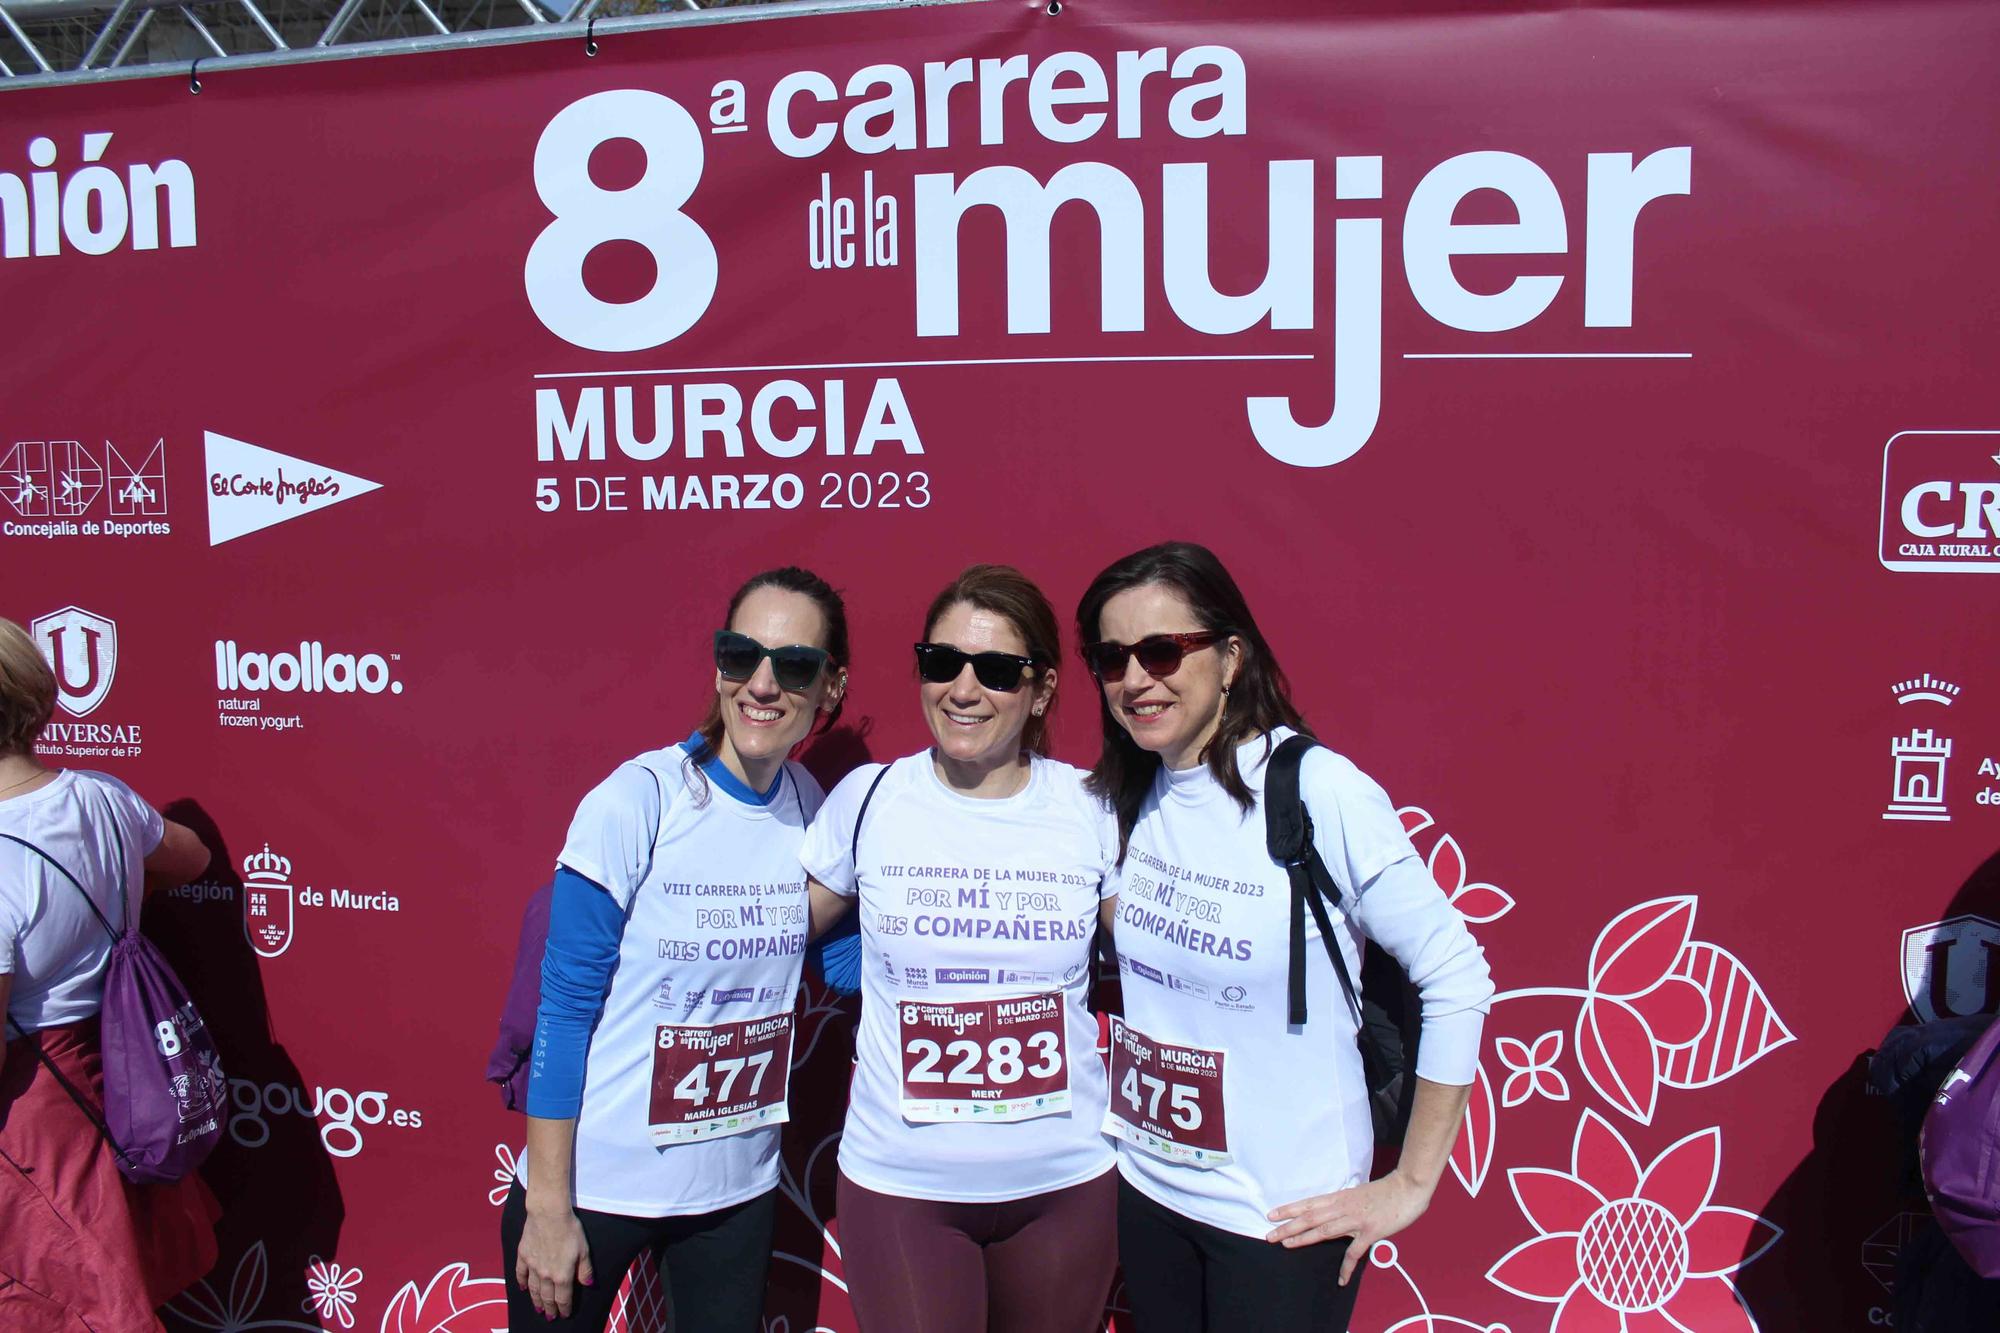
[
  {"x": 1288, "y": 838},
  {"x": 854, "y": 848},
  {"x": 90, "y": 1113}
]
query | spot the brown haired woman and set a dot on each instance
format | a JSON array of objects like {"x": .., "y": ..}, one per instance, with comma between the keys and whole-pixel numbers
[
  {"x": 1244, "y": 1141},
  {"x": 663, "y": 1042},
  {"x": 77, "y": 1241},
  {"x": 975, "y": 1184}
]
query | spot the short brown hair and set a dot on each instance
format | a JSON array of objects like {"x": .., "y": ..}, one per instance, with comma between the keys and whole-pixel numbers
[
  {"x": 1006, "y": 591},
  {"x": 27, "y": 690}
]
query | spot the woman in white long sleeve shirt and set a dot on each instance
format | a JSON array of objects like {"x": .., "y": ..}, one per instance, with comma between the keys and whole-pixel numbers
[{"x": 1244, "y": 1142}]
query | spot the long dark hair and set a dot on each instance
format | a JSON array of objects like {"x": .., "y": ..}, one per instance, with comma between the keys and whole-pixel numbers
[
  {"x": 1005, "y": 591},
  {"x": 1258, "y": 700},
  {"x": 831, "y": 609}
]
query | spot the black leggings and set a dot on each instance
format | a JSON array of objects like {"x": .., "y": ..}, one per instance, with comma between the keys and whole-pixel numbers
[
  {"x": 712, "y": 1265},
  {"x": 1184, "y": 1276}
]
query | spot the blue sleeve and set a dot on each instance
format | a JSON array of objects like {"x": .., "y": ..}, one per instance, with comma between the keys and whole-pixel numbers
[
  {"x": 585, "y": 926},
  {"x": 837, "y": 955}
]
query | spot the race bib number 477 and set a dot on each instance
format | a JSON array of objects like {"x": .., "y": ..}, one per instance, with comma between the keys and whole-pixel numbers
[
  {"x": 984, "y": 1059},
  {"x": 711, "y": 1082}
]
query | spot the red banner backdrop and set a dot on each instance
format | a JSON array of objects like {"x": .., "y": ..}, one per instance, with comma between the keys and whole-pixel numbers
[{"x": 1596, "y": 403}]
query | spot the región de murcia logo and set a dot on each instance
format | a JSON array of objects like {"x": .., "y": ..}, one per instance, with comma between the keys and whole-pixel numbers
[{"x": 271, "y": 904}]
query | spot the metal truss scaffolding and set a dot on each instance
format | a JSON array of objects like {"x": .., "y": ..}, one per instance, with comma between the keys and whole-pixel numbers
[{"x": 46, "y": 42}]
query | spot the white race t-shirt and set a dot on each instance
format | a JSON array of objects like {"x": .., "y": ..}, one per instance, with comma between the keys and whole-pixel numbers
[
  {"x": 1204, "y": 917},
  {"x": 715, "y": 933},
  {"x": 49, "y": 938},
  {"x": 985, "y": 909}
]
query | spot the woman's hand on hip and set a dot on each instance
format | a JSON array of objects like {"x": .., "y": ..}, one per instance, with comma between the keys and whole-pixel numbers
[{"x": 1366, "y": 1213}]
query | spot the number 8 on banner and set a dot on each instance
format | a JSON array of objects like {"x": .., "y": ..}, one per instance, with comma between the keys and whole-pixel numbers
[{"x": 646, "y": 212}]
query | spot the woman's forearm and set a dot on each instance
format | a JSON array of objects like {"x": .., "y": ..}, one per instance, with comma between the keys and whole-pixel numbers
[
  {"x": 551, "y": 1152},
  {"x": 1435, "y": 1113}
]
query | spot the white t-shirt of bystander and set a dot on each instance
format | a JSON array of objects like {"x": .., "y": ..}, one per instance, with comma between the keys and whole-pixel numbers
[{"x": 50, "y": 939}]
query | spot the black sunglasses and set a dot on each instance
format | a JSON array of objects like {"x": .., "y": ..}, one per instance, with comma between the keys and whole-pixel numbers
[
  {"x": 796, "y": 665},
  {"x": 1159, "y": 654},
  {"x": 940, "y": 663}
]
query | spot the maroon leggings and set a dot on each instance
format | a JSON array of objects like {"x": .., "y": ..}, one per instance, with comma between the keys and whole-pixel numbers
[{"x": 1036, "y": 1265}]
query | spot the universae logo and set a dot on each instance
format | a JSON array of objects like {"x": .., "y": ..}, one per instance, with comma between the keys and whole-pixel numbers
[
  {"x": 1951, "y": 968},
  {"x": 81, "y": 648}
]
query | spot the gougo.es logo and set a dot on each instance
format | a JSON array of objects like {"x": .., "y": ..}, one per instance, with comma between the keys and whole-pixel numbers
[{"x": 341, "y": 1115}]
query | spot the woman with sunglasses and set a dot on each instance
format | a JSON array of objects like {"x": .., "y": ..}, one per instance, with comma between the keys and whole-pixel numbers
[
  {"x": 975, "y": 1188},
  {"x": 1244, "y": 1143},
  {"x": 663, "y": 1042}
]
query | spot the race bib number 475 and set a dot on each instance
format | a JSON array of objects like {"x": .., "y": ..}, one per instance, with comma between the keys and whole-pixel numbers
[
  {"x": 711, "y": 1082},
  {"x": 984, "y": 1059},
  {"x": 1167, "y": 1099}
]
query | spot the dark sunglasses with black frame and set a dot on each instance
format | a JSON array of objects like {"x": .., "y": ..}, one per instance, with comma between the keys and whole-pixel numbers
[
  {"x": 1159, "y": 655},
  {"x": 1003, "y": 673},
  {"x": 795, "y": 666}
]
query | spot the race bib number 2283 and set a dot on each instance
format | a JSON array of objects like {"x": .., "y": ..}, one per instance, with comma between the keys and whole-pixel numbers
[{"x": 984, "y": 1059}]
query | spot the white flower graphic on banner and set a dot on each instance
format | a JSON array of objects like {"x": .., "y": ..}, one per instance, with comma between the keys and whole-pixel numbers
[
  {"x": 1660, "y": 1009},
  {"x": 1532, "y": 1070},
  {"x": 1478, "y": 903},
  {"x": 452, "y": 1302},
  {"x": 202, "y": 1307},
  {"x": 509, "y": 1168},
  {"x": 330, "y": 1291},
  {"x": 1625, "y": 1250}
]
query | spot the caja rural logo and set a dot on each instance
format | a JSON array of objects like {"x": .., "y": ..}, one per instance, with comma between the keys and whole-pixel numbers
[
  {"x": 1941, "y": 502},
  {"x": 1199, "y": 96}
]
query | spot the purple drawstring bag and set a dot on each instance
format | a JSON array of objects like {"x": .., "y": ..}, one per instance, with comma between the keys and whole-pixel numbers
[
  {"x": 164, "y": 1091},
  {"x": 508, "y": 1065},
  {"x": 1960, "y": 1150}
]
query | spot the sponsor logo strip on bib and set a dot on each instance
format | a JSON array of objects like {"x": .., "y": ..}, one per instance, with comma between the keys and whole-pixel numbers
[
  {"x": 984, "y": 1059},
  {"x": 1167, "y": 1099},
  {"x": 712, "y": 1082}
]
